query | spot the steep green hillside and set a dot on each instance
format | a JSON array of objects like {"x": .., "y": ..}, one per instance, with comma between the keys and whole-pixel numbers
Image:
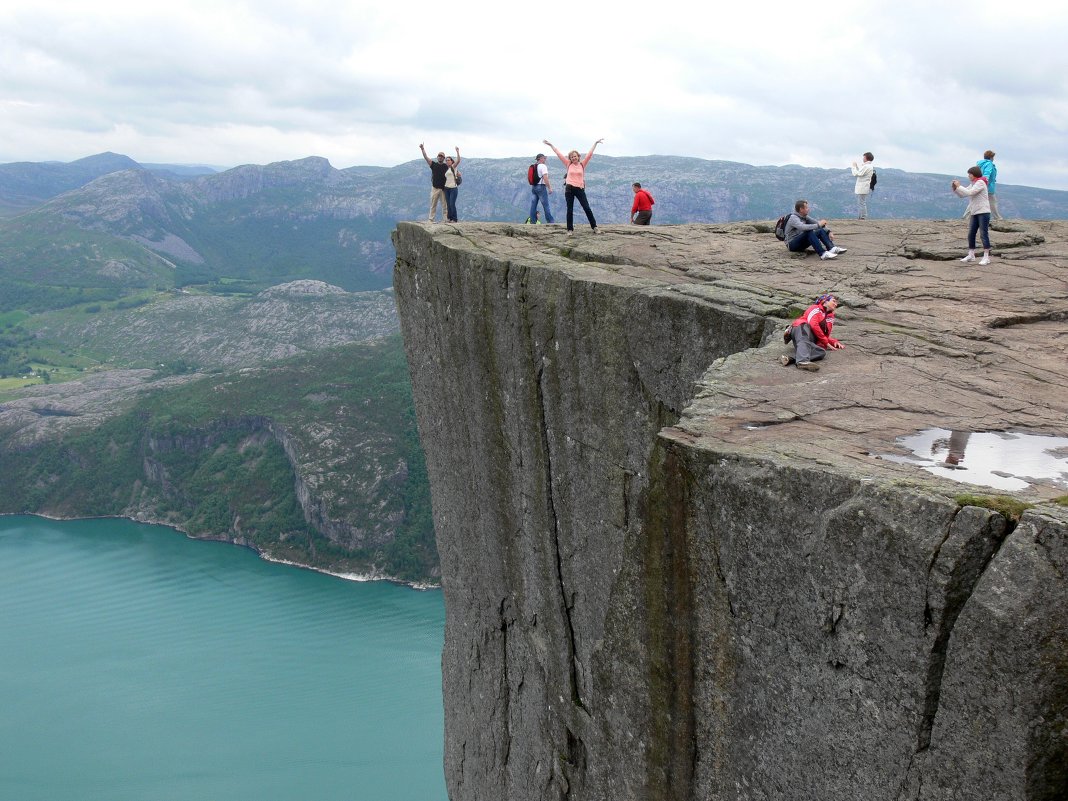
[
  {"x": 45, "y": 266},
  {"x": 314, "y": 460}
]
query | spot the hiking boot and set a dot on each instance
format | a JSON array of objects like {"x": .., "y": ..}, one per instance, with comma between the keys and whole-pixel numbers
[
  {"x": 985, "y": 260},
  {"x": 969, "y": 257},
  {"x": 810, "y": 366},
  {"x": 785, "y": 360},
  {"x": 828, "y": 254}
]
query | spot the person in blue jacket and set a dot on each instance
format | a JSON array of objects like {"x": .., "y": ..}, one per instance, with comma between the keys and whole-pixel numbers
[{"x": 990, "y": 172}]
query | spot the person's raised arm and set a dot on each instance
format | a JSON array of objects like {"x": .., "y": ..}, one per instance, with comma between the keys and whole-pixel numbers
[
  {"x": 457, "y": 162},
  {"x": 559, "y": 155},
  {"x": 422, "y": 150},
  {"x": 589, "y": 155}
]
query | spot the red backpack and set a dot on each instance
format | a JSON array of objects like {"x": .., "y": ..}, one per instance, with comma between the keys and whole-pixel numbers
[{"x": 532, "y": 174}]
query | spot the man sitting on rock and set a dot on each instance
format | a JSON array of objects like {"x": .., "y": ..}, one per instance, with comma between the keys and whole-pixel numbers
[
  {"x": 803, "y": 232},
  {"x": 811, "y": 334}
]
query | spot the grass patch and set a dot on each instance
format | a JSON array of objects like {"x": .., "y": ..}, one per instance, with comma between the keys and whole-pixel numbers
[
  {"x": 1004, "y": 505},
  {"x": 18, "y": 382},
  {"x": 10, "y": 318},
  {"x": 1061, "y": 500}
]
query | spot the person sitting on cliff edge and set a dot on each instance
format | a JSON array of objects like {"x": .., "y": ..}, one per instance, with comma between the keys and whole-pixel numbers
[{"x": 811, "y": 334}]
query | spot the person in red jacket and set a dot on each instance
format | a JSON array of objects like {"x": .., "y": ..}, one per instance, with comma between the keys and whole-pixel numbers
[
  {"x": 811, "y": 334},
  {"x": 643, "y": 206}
]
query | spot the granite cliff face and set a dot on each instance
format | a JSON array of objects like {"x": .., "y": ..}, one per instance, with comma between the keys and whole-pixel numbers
[{"x": 674, "y": 569}]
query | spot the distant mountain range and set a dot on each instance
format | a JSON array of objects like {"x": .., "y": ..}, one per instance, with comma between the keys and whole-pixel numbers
[
  {"x": 104, "y": 225},
  {"x": 26, "y": 184}
]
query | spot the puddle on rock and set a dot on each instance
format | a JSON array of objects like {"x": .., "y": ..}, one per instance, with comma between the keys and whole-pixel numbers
[{"x": 1000, "y": 459}]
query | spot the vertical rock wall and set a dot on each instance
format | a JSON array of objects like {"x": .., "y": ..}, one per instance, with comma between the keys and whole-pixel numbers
[{"x": 632, "y": 613}]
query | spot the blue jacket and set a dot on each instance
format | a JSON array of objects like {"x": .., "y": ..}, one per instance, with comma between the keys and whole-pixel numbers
[{"x": 990, "y": 172}]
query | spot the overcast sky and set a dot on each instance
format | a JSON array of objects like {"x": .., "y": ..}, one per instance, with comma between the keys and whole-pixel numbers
[{"x": 220, "y": 82}]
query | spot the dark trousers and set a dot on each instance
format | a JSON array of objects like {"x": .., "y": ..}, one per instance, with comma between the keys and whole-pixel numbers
[
  {"x": 570, "y": 193},
  {"x": 643, "y": 218},
  {"x": 981, "y": 223},
  {"x": 819, "y": 239}
]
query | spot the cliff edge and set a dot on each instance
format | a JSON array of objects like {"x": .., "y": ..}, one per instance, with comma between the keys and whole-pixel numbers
[{"x": 674, "y": 569}]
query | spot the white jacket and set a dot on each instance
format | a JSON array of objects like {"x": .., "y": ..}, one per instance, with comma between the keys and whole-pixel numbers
[
  {"x": 863, "y": 173},
  {"x": 978, "y": 197}
]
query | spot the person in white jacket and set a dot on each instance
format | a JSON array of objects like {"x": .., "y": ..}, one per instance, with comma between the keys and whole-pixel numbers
[
  {"x": 863, "y": 187},
  {"x": 979, "y": 211}
]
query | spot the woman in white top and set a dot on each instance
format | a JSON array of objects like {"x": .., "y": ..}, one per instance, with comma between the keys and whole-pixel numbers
[
  {"x": 863, "y": 185},
  {"x": 979, "y": 209}
]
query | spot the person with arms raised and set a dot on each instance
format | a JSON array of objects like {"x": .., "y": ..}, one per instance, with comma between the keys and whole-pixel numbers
[{"x": 575, "y": 184}]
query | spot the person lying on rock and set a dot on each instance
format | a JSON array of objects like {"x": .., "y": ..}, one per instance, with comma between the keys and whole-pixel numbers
[{"x": 811, "y": 334}]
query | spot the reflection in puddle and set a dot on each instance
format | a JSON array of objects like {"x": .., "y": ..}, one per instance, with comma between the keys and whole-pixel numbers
[{"x": 999, "y": 459}]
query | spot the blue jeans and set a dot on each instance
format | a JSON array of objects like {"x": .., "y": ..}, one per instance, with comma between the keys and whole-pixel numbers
[
  {"x": 979, "y": 222},
  {"x": 819, "y": 239},
  {"x": 540, "y": 192},
  {"x": 450, "y": 203}
]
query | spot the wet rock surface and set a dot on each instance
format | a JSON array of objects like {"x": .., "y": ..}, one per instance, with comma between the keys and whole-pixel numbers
[{"x": 675, "y": 569}]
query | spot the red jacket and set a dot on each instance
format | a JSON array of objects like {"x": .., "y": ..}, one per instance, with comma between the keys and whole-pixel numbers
[
  {"x": 821, "y": 324},
  {"x": 643, "y": 201}
]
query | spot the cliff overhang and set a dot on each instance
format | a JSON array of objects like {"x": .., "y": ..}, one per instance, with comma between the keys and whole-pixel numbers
[{"x": 675, "y": 569}]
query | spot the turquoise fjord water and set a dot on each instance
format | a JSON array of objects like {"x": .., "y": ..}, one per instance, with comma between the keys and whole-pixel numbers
[{"x": 137, "y": 664}]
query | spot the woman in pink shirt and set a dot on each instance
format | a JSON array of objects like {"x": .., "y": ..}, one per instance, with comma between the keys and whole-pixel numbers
[{"x": 575, "y": 184}]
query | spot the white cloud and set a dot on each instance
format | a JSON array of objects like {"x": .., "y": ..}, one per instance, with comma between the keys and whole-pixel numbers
[{"x": 925, "y": 87}]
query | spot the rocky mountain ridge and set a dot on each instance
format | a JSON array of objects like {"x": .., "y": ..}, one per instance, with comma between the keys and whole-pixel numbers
[
  {"x": 305, "y": 219},
  {"x": 213, "y": 332}
]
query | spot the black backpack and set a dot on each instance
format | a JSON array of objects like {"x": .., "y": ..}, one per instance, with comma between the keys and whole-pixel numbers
[
  {"x": 780, "y": 227},
  {"x": 874, "y": 180}
]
